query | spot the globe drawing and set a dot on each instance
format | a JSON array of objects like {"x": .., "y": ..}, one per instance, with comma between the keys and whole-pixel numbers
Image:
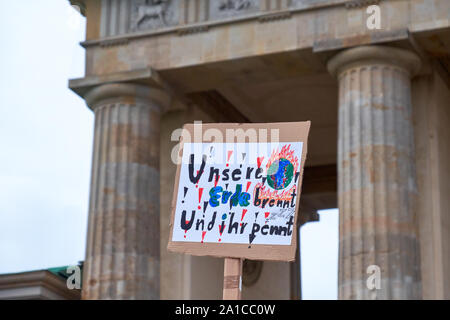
[{"x": 280, "y": 173}]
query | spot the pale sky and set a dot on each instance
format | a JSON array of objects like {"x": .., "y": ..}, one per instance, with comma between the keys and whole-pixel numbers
[
  {"x": 319, "y": 256},
  {"x": 45, "y": 137},
  {"x": 46, "y": 134}
]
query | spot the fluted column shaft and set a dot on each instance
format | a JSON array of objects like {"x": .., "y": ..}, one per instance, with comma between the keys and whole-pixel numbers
[
  {"x": 122, "y": 254},
  {"x": 376, "y": 173}
]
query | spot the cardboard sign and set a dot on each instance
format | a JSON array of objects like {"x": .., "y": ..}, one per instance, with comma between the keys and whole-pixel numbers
[{"x": 234, "y": 198}]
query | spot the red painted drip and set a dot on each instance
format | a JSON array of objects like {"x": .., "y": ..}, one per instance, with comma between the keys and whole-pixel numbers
[
  {"x": 200, "y": 192},
  {"x": 248, "y": 185},
  {"x": 229, "y": 156},
  {"x": 203, "y": 235},
  {"x": 260, "y": 160},
  {"x": 244, "y": 211},
  {"x": 243, "y": 214},
  {"x": 217, "y": 180},
  {"x": 267, "y": 214},
  {"x": 221, "y": 229},
  {"x": 187, "y": 222},
  {"x": 197, "y": 175}
]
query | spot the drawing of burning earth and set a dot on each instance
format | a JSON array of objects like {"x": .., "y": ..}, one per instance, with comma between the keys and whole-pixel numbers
[{"x": 281, "y": 168}]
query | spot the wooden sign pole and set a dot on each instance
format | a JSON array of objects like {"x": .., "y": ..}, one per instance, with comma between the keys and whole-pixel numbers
[{"x": 232, "y": 280}]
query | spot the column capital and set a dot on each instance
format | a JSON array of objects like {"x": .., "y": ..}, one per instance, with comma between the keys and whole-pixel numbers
[
  {"x": 130, "y": 93},
  {"x": 367, "y": 55}
]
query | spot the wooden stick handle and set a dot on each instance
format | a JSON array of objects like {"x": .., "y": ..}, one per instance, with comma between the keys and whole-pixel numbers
[{"x": 232, "y": 279}]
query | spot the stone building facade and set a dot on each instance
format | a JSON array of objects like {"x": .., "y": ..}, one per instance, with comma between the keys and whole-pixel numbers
[{"x": 378, "y": 99}]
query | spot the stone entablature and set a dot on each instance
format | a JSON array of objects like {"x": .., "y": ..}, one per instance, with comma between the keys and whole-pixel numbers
[
  {"x": 123, "y": 20},
  {"x": 121, "y": 17},
  {"x": 322, "y": 26}
]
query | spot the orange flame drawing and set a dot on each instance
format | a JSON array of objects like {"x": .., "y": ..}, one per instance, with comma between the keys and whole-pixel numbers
[{"x": 285, "y": 153}]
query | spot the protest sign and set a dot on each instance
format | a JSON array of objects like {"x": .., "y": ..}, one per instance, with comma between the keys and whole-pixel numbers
[{"x": 237, "y": 190}]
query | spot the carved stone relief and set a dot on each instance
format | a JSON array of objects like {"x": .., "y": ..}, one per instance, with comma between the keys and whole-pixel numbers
[
  {"x": 158, "y": 14},
  {"x": 234, "y": 4},
  {"x": 152, "y": 14},
  {"x": 230, "y": 8}
]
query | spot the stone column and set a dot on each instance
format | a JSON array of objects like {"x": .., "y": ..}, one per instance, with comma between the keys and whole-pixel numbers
[
  {"x": 122, "y": 255},
  {"x": 376, "y": 174}
]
